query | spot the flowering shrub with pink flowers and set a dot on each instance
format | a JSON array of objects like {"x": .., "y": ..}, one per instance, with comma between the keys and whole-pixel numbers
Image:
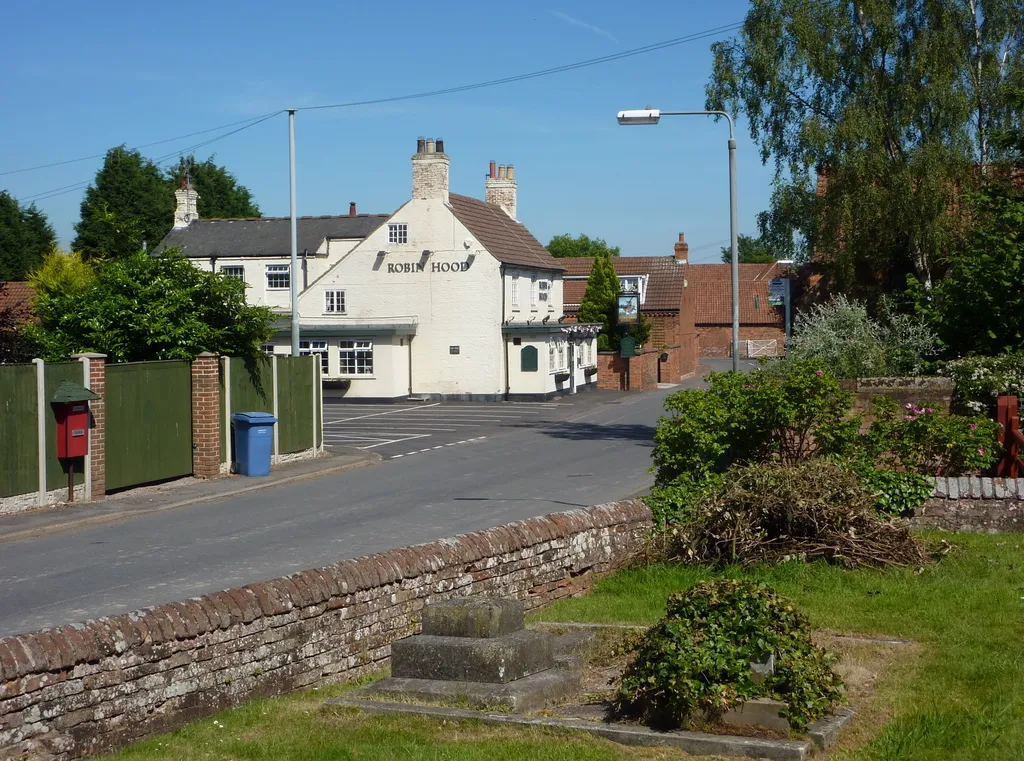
[{"x": 927, "y": 441}]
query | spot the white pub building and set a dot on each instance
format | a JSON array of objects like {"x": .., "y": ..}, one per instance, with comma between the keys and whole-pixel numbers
[{"x": 450, "y": 297}]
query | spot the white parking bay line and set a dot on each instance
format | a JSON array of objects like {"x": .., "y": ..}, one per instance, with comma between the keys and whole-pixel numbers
[{"x": 379, "y": 414}]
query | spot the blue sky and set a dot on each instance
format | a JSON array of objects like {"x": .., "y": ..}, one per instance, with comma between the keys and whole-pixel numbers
[{"x": 82, "y": 78}]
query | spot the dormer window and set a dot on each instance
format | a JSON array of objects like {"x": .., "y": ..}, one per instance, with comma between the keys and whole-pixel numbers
[{"x": 398, "y": 233}]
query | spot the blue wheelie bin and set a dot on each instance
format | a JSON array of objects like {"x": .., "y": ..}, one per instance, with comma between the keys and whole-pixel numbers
[{"x": 254, "y": 442}]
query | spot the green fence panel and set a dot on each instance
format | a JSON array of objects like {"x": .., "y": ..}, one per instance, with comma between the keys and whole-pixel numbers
[
  {"x": 252, "y": 385},
  {"x": 19, "y": 440},
  {"x": 295, "y": 395},
  {"x": 148, "y": 422},
  {"x": 56, "y": 475},
  {"x": 223, "y": 408}
]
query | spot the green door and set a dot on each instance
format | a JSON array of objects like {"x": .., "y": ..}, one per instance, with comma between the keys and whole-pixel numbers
[{"x": 148, "y": 422}]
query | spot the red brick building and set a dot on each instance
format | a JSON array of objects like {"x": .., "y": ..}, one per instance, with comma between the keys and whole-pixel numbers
[
  {"x": 762, "y": 326},
  {"x": 664, "y": 300}
]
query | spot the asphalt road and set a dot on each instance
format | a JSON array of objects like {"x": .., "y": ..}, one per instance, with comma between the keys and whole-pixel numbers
[{"x": 596, "y": 450}]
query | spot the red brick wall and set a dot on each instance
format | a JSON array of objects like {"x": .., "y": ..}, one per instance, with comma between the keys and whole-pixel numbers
[
  {"x": 97, "y": 430},
  {"x": 93, "y": 687},
  {"x": 716, "y": 340},
  {"x": 206, "y": 424}
]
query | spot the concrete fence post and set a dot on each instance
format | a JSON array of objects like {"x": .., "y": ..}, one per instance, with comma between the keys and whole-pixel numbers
[
  {"x": 205, "y": 416},
  {"x": 275, "y": 407},
  {"x": 96, "y": 368},
  {"x": 41, "y": 427},
  {"x": 225, "y": 363}
]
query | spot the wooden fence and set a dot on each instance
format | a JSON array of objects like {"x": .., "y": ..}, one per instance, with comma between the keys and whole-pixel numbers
[{"x": 1011, "y": 465}]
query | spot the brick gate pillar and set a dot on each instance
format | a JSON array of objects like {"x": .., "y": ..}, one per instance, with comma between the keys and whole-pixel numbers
[
  {"x": 206, "y": 421},
  {"x": 96, "y": 377}
]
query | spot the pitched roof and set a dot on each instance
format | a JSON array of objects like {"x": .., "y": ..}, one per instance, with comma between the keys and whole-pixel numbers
[
  {"x": 711, "y": 289},
  {"x": 665, "y": 283},
  {"x": 17, "y": 296},
  {"x": 265, "y": 236},
  {"x": 507, "y": 241}
]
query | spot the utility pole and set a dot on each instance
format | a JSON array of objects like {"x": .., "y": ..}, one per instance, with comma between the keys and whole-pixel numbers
[{"x": 293, "y": 271}]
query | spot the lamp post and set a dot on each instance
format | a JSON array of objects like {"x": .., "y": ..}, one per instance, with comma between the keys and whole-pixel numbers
[{"x": 652, "y": 116}]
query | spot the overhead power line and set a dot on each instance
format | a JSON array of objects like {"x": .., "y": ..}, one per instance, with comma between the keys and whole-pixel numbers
[
  {"x": 541, "y": 73},
  {"x": 427, "y": 94},
  {"x": 136, "y": 147},
  {"x": 158, "y": 161}
]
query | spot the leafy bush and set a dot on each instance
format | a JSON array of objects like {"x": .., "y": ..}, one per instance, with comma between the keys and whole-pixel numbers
[
  {"x": 765, "y": 415},
  {"x": 895, "y": 492},
  {"x": 771, "y": 512},
  {"x": 696, "y": 660},
  {"x": 979, "y": 380},
  {"x": 928, "y": 441},
  {"x": 676, "y": 502},
  {"x": 841, "y": 334}
]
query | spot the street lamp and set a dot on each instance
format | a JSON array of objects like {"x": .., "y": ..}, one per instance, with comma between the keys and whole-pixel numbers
[{"x": 653, "y": 116}]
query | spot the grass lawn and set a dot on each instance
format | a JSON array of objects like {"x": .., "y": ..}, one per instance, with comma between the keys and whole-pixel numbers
[
  {"x": 963, "y": 698},
  {"x": 959, "y": 696}
]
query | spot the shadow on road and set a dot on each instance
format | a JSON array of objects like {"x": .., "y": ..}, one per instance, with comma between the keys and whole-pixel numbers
[{"x": 642, "y": 434}]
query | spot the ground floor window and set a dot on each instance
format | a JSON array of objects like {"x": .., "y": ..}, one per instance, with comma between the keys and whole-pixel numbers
[
  {"x": 356, "y": 357},
  {"x": 268, "y": 349},
  {"x": 590, "y": 352},
  {"x": 315, "y": 347}
]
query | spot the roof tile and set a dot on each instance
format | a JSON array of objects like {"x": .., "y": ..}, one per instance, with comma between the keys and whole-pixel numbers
[{"x": 505, "y": 239}]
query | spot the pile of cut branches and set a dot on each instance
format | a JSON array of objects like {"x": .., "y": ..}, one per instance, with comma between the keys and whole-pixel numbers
[{"x": 814, "y": 510}]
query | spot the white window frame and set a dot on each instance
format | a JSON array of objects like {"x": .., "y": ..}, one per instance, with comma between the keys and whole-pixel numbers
[
  {"x": 279, "y": 269},
  {"x": 268, "y": 349},
  {"x": 338, "y": 295},
  {"x": 544, "y": 290},
  {"x": 590, "y": 352},
  {"x": 641, "y": 285},
  {"x": 561, "y": 356},
  {"x": 533, "y": 292},
  {"x": 316, "y": 347},
  {"x": 515, "y": 291},
  {"x": 357, "y": 354},
  {"x": 398, "y": 233},
  {"x": 551, "y": 357},
  {"x": 238, "y": 271}
]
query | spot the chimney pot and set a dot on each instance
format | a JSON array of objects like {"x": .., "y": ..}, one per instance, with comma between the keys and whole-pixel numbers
[
  {"x": 440, "y": 145},
  {"x": 510, "y": 172},
  {"x": 682, "y": 250},
  {"x": 430, "y": 146},
  {"x": 352, "y": 208},
  {"x": 493, "y": 171},
  {"x": 501, "y": 172},
  {"x": 682, "y": 238},
  {"x": 500, "y": 188},
  {"x": 421, "y": 143}
]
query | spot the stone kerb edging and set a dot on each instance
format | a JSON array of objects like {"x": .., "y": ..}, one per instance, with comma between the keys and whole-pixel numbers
[
  {"x": 978, "y": 487},
  {"x": 92, "y": 687}
]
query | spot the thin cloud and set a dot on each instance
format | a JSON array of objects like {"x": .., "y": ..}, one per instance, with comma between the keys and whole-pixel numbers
[{"x": 583, "y": 24}]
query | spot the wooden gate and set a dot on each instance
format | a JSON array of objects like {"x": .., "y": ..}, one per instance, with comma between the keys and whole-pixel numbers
[{"x": 148, "y": 422}]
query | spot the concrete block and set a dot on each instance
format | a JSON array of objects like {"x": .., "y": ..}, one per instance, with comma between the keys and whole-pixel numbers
[
  {"x": 758, "y": 712},
  {"x": 530, "y": 693},
  {"x": 976, "y": 492},
  {"x": 824, "y": 732},
  {"x": 963, "y": 485},
  {"x": 496, "y": 660},
  {"x": 953, "y": 488},
  {"x": 999, "y": 488},
  {"x": 573, "y": 643},
  {"x": 987, "y": 489},
  {"x": 473, "y": 617},
  {"x": 940, "y": 487}
]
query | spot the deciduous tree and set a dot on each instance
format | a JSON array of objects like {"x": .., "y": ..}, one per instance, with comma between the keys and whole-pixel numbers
[
  {"x": 749, "y": 250},
  {"x": 896, "y": 101},
  {"x": 565, "y": 246},
  {"x": 141, "y": 307}
]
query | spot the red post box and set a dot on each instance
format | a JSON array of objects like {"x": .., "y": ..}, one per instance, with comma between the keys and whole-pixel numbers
[
  {"x": 71, "y": 409},
  {"x": 72, "y": 429}
]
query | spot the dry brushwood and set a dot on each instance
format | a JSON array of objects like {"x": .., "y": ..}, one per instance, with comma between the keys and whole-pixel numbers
[{"x": 768, "y": 513}]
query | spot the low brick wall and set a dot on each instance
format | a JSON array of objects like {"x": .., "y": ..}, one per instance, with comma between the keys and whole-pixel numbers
[
  {"x": 934, "y": 392},
  {"x": 93, "y": 687},
  {"x": 637, "y": 373},
  {"x": 974, "y": 504}
]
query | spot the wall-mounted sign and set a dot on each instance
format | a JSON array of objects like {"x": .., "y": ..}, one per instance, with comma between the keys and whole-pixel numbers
[
  {"x": 396, "y": 267},
  {"x": 629, "y": 308},
  {"x": 777, "y": 291}
]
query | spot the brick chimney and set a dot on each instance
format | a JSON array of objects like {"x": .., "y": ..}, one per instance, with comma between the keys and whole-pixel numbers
[
  {"x": 187, "y": 210},
  {"x": 352, "y": 208},
  {"x": 500, "y": 188},
  {"x": 682, "y": 250},
  {"x": 430, "y": 171}
]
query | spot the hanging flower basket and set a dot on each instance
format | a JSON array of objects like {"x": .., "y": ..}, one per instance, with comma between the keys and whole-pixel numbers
[{"x": 561, "y": 377}]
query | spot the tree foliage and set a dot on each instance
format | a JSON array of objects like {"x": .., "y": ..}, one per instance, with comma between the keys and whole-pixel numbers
[
  {"x": 140, "y": 307},
  {"x": 62, "y": 273},
  {"x": 979, "y": 307},
  {"x": 566, "y": 246},
  {"x": 600, "y": 302},
  {"x": 220, "y": 194},
  {"x": 895, "y": 100},
  {"x": 129, "y": 202},
  {"x": 25, "y": 235},
  {"x": 749, "y": 250}
]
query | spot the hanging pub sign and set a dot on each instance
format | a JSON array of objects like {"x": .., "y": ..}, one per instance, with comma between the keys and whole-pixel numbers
[{"x": 629, "y": 308}]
